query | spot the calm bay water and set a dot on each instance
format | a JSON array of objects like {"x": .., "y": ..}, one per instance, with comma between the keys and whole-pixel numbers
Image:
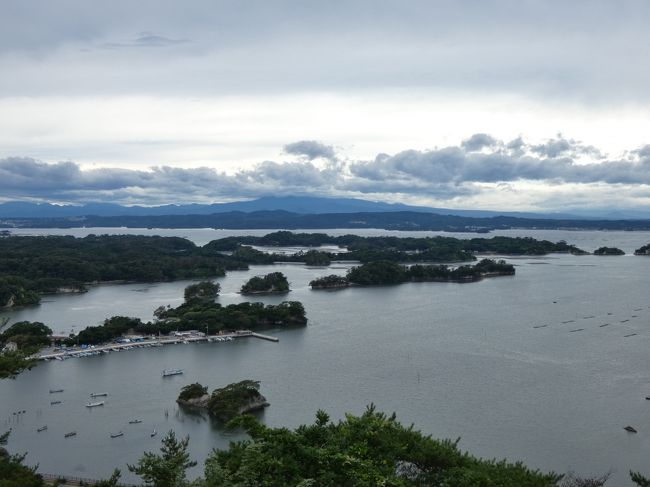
[{"x": 455, "y": 359}]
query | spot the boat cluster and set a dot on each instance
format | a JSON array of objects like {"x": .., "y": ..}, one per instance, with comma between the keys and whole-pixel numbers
[
  {"x": 91, "y": 353},
  {"x": 93, "y": 404},
  {"x": 221, "y": 339}
]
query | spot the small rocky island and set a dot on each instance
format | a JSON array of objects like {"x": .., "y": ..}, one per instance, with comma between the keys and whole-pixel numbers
[
  {"x": 225, "y": 403},
  {"x": 273, "y": 283},
  {"x": 608, "y": 251},
  {"x": 645, "y": 250}
]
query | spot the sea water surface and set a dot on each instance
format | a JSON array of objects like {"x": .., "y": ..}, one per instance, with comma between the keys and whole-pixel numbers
[{"x": 546, "y": 366}]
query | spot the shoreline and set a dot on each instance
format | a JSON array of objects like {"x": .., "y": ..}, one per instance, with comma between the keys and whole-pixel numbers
[{"x": 149, "y": 343}]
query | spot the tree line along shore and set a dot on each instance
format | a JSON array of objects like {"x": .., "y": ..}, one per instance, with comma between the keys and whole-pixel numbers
[
  {"x": 31, "y": 266},
  {"x": 370, "y": 449}
]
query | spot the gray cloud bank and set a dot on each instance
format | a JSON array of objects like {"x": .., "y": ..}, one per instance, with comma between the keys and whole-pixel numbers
[
  {"x": 475, "y": 167},
  {"x": 218, "y": 46}
]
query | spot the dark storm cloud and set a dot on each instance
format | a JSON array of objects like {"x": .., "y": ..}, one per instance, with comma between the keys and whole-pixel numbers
[
  {"x": 442, "y": 173},
  {"x": 310, "y": 149}
]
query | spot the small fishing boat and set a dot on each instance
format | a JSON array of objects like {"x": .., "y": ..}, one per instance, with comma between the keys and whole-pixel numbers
[
  {"x": 42, "y": 428},
  {"x": 55, "y": 402},
  {"x": 135, "y": 421},
  {"x": 154, "y": 433},
  {"x": 99, "y": 394},
  {"x": 170, "y": 372},
  {"x": 54, "y": 391},
  {"x": 117, "y": 435},
  {"x": 94, "y": 404},
  {"x": 72, "y": 433}
]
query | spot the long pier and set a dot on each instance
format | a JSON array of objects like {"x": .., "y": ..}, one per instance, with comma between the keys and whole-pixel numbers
[{"x": 150, "y": 342}]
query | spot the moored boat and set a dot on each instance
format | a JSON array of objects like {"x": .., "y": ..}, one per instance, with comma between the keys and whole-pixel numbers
[
  {"x": 54, "y": 391},
  {"x": 135, "y": 421},
  {"x": 117, "y": 435},
  {"x": 42, "y": 428},
  {"x": 94, "y": 404},
  {"x": 72, "y": 433},
  {"x": 99, "y": 394},
  {"x": 170, "y": 372},
  {"x": 55, "y": 402}
]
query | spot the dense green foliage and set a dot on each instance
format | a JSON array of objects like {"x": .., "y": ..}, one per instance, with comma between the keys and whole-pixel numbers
[
  {"x": 645, "y": 250},
  {"x": 275, "y": 282},
  {"x": 13, "y": 363},
  {"x": 229, "y": 401},
  {"x": 377, "y": 273},
  {"x": 30, "y": 266},
  {"x": 196, "y": 315},
  {"x": 313, "y": 258},
  {"x": 193, "y": 316},
  {"x": 639, "y": 479},
  {"x": 167, "y": 469},
  {"x": 387, "y": 272},
  {"x": 13, "y": 472},
  {"x": 329, "y": 282},
  {"x": 397, "y": 249},
  {"x": 16, "y": 291},
  {"x": 202, "y": 291},
  {"x": 364, "y": 451},
  {"x": 111, "y": 328},
  {"x": 192, "y": 391},
  {"x": 50, "y": 264},
  {"x": 27, "y": 335},
  {"x": 519, "y": 246},
  {"x": 608, "y": 251}
]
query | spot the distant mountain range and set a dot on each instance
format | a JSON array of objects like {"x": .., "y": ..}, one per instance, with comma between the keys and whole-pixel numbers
[
  {"x": 279, "y": 219},
  {"x": 295, "y": 204}
]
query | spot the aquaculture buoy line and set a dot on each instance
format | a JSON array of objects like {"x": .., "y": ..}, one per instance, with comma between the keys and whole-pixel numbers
[{"x": 631, "y": 331}]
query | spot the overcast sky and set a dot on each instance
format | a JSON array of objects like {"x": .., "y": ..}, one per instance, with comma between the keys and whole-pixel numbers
[{"x": 513, "y": 105}]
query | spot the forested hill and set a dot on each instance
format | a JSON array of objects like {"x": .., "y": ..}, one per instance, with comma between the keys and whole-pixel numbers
[{"x": 394, "y": 220}]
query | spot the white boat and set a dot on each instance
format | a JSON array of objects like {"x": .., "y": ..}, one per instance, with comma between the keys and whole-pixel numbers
[
  {"x": 98, "y": 394},
  {"x": 94, "y": 404},
  {"x": 154, "y": 433},
  {"x": 167, "y": 373}
]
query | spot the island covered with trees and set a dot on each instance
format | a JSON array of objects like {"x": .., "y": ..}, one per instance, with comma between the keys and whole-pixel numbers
[
  {"x": 608, "y": 251},
  {"x": 197, "y": 315},
  {"x": 645, "y": 250},
  {"x": 385, "y": 272},
  {"x": 273, "y": 283},
  {"x": 226, "y": 402},
  {"x": 33, "y": 266},
  {"x": 398, "y": 249}
]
